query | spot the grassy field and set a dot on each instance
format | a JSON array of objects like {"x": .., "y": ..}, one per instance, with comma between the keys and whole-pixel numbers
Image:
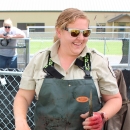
[{"x": 111, "y": 47}]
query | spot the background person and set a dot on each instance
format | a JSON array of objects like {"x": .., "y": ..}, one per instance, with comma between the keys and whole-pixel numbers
[
  {"x": 62, "y": 78},
  {"x": 8, "y": 57}
]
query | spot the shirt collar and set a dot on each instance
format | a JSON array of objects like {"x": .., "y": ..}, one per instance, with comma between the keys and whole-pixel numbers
[{"x": 54, "y": 50}]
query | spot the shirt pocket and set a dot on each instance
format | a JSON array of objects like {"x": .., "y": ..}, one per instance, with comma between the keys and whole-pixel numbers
[{"x": 39, "y": 76}]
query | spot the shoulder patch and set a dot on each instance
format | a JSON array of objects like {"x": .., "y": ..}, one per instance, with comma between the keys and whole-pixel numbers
[
  {"x": 111, "y": 70},
  {"x": 42, "y": 51},
  {"x": 105, "y": 59},
  {"x": 46, "y": 51}
]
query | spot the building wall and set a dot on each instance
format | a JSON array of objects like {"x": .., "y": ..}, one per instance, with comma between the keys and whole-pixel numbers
[
  {"x": 30, "y": 17},
  {"x": 124, "y": 19},
  {"x": 49, "y": 18}
]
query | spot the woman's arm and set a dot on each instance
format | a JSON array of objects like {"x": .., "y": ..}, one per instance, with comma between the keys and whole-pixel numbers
[
  {"x": 22, "y": 101},
  {"x": 112, "y": 105}
]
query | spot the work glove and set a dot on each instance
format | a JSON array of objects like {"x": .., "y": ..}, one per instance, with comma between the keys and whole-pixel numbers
[{"x": 94, "y": 122}]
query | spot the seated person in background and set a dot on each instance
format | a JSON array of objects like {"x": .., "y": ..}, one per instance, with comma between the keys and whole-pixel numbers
[
  {"x": 8, "y": 57},
  {"x": 62, "y": 78}
]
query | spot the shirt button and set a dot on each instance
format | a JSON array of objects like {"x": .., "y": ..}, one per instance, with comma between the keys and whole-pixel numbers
[{"x": 69, "y": 85}]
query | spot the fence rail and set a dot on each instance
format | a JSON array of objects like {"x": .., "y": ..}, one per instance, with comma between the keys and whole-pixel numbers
[{"x": 97, "y": 32}]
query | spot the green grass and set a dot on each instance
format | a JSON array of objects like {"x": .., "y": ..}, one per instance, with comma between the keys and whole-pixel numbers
[
  {"x": 112, "y": 47},
  {"x": 109, "y": 48},
  {"x": 35, "y": 46}
]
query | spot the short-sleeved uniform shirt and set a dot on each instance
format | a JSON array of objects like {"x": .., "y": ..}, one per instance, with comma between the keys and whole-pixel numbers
[
  {"x": 10, "y": 52},
  {"x": 102, "y": 74}
]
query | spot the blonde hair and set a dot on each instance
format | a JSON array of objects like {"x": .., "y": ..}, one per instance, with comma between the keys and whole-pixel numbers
[
  {"x": 8, "y": 22},
  {"x": 68, "y": 16}
]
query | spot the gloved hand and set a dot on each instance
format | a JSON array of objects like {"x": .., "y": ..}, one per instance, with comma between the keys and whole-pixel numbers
[{"x": 94, "y": 122}]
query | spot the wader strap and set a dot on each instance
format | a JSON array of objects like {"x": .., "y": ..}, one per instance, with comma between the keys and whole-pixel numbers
[
  {"x": 85, "y": 65},
  {"x": 51, "y": 71},
  {"x": 125, "y": 102}
]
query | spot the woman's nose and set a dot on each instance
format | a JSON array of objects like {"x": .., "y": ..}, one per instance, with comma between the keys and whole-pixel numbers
[{"x": 80, "y": 36}]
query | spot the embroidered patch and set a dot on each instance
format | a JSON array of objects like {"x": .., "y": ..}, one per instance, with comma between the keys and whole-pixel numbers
[{"x": 82, "y": 99}]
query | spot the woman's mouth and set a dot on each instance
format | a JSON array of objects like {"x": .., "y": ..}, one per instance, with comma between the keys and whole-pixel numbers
[{"x": 77, "y": 44}]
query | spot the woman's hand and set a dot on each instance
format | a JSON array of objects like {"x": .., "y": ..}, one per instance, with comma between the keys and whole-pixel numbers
[
  {"x": 94, "y": 122},
  {"x": 9, "y": 36}
]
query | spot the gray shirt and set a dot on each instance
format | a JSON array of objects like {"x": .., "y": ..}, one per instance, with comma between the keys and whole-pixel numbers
[{"x": 12, "y": 42}]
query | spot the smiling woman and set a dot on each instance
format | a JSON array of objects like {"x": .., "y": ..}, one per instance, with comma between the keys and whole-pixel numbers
[{"x": 62, "y": 78}]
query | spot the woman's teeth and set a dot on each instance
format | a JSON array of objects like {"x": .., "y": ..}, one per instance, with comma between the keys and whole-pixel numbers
[{"x": 77, "y": 43}]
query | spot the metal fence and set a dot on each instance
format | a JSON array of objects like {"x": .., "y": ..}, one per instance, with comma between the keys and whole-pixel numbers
[
  {"x": 9, "y": 85},
  {"x": 104, "y": 33},
  {"x": 97, "y": 32}
]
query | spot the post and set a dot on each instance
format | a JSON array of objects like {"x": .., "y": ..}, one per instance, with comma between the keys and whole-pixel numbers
[
  {"x": 125, "y": 51},
  {"x": 27, "y": 43},
  {"x": 104, "y": 45},
  {"x": 129, "y": 54}
]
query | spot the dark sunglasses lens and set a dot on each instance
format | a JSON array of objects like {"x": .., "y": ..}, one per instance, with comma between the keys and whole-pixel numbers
[
  {"x": 7, "y": 26},
  {"x": 86, "y": 33},
  {"x": 75, "y": 33}
]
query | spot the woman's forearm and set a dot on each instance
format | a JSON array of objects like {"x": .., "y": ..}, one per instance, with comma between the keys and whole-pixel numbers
[
  {"x": 20, "y": 107},
  {"x": 112, "y": 106}
]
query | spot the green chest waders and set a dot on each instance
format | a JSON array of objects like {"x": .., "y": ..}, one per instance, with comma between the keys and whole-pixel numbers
[{"x": 61, "y": 102}]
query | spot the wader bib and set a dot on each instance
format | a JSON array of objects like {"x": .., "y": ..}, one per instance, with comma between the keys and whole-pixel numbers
[{"x": 61, "y": 102}]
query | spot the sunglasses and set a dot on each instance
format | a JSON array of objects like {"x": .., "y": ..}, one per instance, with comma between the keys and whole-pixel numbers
[
  {"x": 7, "y": 27},
  {"x": 76, "y": 32}
]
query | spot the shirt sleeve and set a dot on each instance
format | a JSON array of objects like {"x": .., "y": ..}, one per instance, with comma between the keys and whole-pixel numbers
[
  {"x": 33, "y": 74},
  {"x": 107, "y": 79},
  {"x": 27, "y": 81},
  {"x": 18, "y": 31}
]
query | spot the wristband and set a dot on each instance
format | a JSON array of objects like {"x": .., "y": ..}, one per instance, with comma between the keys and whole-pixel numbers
[{"x": 104, "y": 116}]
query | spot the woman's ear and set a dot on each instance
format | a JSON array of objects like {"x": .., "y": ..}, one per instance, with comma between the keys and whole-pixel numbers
[{"x": 58, "y": 32}]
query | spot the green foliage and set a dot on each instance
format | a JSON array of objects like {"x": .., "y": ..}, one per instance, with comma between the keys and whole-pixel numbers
[{"x": 112, "y": 47}]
